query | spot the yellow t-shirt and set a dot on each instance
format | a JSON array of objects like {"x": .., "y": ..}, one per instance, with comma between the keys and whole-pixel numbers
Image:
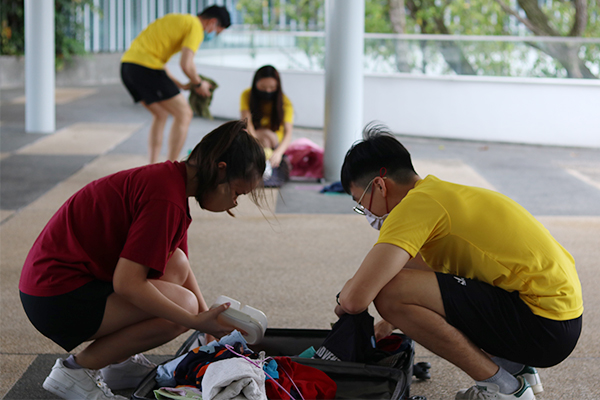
[
  {"x": 288, "y": 112},
  {"x": 164, "y": 37},
  {"x": 481, "y": 234}
]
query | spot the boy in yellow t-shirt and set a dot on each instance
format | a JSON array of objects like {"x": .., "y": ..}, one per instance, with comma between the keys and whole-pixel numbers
[
  {"x": 147, "y": 79},
  {"x": 466, "y": 272},
  {"x": 269, "y": 113}
]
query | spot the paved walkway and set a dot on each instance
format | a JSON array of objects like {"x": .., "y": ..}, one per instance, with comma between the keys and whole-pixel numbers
[{"x": 99, "y": 131}]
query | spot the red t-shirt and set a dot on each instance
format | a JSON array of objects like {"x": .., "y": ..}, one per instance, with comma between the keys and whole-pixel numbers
[{"x": 141, "y": 214}]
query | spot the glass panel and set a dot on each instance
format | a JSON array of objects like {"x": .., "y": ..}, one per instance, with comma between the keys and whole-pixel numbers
[{"x": 428, "y": 55}]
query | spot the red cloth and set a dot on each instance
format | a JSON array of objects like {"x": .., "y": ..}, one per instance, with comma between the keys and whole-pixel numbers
[
  {"x": 312, "y": 383},
  {"x": 141, "y": 214},
  {"x": 391, "y": 343},
  {"x": 306, "y": 158}
]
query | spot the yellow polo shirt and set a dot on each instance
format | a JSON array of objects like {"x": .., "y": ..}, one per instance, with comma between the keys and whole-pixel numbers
[
  {"x": 288, "y": 112},
  {"x": 164, "y": 37},
  {"x": 481, "y": 234}
]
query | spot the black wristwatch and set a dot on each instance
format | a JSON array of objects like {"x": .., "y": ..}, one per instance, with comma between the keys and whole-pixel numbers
[{"x": 198, "y": 84}]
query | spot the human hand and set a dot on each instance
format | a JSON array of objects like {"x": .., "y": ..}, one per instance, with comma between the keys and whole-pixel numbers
[
  {"x": 187, "y": 86},
  {"x": 383, "y": 329},
  {"x": 209, "y": 323},
  {"x": 339, "y": 311},
  {"x": 204, "y": 89},
  {"x": 275, "y": 159}
]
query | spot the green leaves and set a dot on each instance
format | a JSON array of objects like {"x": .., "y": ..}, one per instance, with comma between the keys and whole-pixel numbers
[{"x": 69, "y": 30}]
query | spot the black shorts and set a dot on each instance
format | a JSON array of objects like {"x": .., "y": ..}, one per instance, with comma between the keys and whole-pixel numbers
[
  {"x": 146, "y": 84},
  {"x": 72, "y": 318},
  {"x": 501, "y": 324}
]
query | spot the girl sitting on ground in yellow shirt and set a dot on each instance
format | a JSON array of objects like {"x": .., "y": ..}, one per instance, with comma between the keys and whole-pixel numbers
[{"x": 269, "y": 113}]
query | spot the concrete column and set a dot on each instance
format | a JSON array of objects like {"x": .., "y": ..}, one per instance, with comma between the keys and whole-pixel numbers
[
  {"x": 40, "y": 109},
  {"x": 344, "y": 49}
]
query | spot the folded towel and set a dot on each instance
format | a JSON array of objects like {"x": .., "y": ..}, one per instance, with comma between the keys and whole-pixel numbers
[{"x": 233, "y": 378}]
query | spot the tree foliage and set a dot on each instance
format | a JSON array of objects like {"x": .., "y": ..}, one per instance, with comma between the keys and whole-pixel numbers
[
  {"x": 528, "y": 18},
  {"x": 68, "y": 29}
]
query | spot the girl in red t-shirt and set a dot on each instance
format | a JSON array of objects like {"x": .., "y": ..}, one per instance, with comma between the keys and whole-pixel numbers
[{"x": 111, "y": 265}]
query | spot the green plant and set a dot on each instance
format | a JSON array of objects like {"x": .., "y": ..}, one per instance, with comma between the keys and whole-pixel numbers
[
  {"x": 69, "y": 31},
  {"x": 12, "y": 35}
]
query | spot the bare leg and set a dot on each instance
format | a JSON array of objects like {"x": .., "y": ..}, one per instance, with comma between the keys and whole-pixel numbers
[
  {"x": 413, "y": 303},
  {"x": 126, "y": 330},
  {"x": 155, "y": 137},
  {"x": 267, "y": 138},
  {"x": 182, "y": 114}
]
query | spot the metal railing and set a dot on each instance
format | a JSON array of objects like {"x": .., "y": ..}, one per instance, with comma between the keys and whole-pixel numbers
[
  {"x": 111, "y": 25},
  {"x": 431, "y": 55}
]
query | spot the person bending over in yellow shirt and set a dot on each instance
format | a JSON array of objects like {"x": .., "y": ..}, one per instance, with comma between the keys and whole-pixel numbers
[
  {"x": 146, "y": 77},
  {"x": 269, "y": 113},
  {"x": 466, "y": 272}
]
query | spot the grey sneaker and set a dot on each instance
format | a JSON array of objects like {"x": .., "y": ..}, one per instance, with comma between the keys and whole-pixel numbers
[
  {"x": 491, "y": 391},
  {"x": 127, "y": 374},
  {"x": 531, "y": 375},
  {"x": 77, "y": 384}
]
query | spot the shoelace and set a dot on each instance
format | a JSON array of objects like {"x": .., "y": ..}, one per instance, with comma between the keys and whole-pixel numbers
[
  {"x": 97, "y": 377},
  {"x": 104, "y": 387}
]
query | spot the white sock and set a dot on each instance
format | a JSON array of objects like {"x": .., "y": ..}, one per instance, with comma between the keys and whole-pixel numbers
[
  {"x": 71, "y": 363},
  {"x": 508, "y": 384},
  {"x": 510, "y": 366}
]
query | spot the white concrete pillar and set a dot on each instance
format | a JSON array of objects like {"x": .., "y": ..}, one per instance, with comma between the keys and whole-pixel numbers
[
  {"x": 344, "y": 50},
  {"x": 40, "y": 108}
]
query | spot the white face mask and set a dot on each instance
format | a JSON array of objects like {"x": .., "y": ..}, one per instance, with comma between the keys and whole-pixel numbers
[{"x": 374, "y": 220}]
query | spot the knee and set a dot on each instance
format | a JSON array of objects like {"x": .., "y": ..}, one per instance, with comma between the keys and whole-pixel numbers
[
  {"x": 160, "y": 115},
  {"x": 177, "y": 269},
  {"x": 189, "y": 302},
  {"x": 392, "y": 298},
  {"x": 386, "y": 305},
  {"x": 185, "y": 114}
]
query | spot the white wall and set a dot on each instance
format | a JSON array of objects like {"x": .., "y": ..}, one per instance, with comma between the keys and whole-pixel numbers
[
  {"x": 540, "y": 111},
  {"x": 520, "y": 110},
  {"x": 306, "y": 90}
]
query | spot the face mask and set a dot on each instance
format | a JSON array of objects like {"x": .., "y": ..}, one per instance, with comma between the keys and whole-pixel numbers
[
  {"x": 209, "y": 35},
  {"x": 262, "y": 95},
  {"x": 374, "y": 220}
]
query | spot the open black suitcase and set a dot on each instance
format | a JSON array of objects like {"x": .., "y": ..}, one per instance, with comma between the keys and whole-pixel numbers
[{"x": 354, "y": 380}]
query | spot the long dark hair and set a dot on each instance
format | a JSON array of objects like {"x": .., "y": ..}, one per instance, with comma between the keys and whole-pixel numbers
[
  {"x": 232, "y": 144},
  {"x": 276, "y": 117}
]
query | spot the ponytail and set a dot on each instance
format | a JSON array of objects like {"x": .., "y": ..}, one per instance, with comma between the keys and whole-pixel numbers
[{"x": 232, "y": 144}]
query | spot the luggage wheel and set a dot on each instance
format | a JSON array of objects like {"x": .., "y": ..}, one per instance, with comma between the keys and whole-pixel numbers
[{"x": 421, "y": 370}]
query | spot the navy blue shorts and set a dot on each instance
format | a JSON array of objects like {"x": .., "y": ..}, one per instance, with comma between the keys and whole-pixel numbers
[
  {"x": 146, "y": 84},
  {"x": 501, "y": 324},
  {"x": 72, "y": 318}
]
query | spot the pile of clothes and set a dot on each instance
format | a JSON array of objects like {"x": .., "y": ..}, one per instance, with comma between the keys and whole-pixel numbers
[{"x": 228, "y": 369}]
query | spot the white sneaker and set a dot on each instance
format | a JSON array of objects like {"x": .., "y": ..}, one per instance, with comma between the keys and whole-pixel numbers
[
  {"x": 127, "y": 374},
  {"x": 77, "y": 384},
  {"x": 484, "y": 390},
  {"x": 533, "y": 378}
]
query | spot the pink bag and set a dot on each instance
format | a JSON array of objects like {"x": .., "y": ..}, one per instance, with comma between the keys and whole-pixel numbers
[{"x": 306, "y": 158}]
